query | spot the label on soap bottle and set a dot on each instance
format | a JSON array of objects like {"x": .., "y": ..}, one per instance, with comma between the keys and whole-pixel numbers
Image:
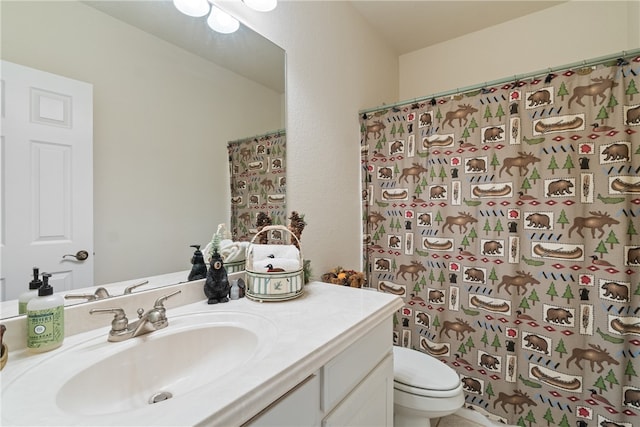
[{"x": 45, "y": 327}]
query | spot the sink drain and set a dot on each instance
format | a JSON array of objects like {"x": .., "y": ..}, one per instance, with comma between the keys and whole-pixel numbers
[{"x": 160, "y": 396}]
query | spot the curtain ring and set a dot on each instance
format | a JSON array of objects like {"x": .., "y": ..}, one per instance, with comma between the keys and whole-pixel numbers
[{"x": 549, "y": 77}]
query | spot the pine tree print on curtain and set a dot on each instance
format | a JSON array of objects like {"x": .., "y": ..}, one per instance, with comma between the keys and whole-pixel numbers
[{"x": 508, "y": 220}]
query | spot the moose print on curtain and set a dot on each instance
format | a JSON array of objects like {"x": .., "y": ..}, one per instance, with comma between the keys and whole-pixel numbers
[
  {"x": 508, "y": 219},
  {"x": 257, "y": 167}
]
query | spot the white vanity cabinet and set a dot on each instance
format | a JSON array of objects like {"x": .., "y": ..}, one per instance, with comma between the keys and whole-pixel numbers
[
  {"x": 354, "y": 388},
  {"x": 299, "y": 407},
  {"x": 370, "y": 403}
]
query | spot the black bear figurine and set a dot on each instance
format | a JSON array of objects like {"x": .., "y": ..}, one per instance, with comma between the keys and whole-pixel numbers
[
  {"x": 199, "y": 269},
  {"x": 217, "y": 286}
]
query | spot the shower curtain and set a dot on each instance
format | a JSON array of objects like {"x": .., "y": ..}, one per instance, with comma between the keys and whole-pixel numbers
[
  {"x": 508, "y": 219},
  {"x": 257, "y": 167}
]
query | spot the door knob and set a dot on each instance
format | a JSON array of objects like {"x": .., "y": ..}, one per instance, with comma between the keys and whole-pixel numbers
[{"x": 79, "y": 256}]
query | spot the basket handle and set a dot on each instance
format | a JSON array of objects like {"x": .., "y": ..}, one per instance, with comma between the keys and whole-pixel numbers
[{"x": 275, "y": 227}]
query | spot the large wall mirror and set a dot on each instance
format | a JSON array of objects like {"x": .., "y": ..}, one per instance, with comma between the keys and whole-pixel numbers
[{"x": 168, "y": 94}]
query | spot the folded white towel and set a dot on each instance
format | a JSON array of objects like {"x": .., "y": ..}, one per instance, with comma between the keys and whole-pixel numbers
[
  {"x": 276, "y": 263},
  {"x": 267, "y": 252}
]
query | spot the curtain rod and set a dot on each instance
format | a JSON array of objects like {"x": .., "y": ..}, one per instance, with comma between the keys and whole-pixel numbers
[
  {"x": 273, "y": 132},
  {"x": 517, "y": 77}
]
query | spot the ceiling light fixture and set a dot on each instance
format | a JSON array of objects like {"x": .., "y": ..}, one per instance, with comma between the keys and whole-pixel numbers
[
  {"x": 218, "y": 19},
  {"x": 195, "y": 8},
  {"x": 261, "y": 5},
  {"x": 221, "y": 21}
]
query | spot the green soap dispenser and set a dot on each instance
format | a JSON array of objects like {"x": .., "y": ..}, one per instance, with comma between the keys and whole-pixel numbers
[
  {"x": 25, "y": 297},
  {"x": 45, "y": 319}
]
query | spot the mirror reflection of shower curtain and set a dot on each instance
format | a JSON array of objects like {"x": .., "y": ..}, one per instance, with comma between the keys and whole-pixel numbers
[
  {"x": 508, "y": 219},
  {"x": 257, "y": 167}
]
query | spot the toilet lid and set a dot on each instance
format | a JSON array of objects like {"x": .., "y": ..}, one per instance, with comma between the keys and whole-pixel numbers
[{"x": 419, "y": 370}]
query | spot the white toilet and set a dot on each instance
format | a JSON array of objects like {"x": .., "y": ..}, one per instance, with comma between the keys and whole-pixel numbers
[{"x": 423, "y": 388}]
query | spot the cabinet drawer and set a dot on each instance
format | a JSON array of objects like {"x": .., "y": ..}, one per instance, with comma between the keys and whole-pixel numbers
[
  {"x": 370, "y": 403},
  {"x": 342, "y": 373}
]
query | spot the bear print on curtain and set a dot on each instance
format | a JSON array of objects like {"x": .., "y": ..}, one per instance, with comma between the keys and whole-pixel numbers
[
  {"x": 257, "y": 167},
  {"x": 508, "y": 219}
]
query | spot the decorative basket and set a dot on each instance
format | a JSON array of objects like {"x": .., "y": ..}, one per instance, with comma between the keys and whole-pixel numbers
[{"x": 273, "y": 286}]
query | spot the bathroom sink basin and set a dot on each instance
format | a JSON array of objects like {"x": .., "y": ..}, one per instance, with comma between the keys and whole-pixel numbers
[{"x": 95, "y": 378}]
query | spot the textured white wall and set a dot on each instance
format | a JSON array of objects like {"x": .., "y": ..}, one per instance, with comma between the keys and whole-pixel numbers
[{"x": 567, "y": 33}]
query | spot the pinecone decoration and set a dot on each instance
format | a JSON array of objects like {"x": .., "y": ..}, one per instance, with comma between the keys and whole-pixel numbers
[
  {"x": 262, "y": 220},
  {"x": 296, "y": 226}
]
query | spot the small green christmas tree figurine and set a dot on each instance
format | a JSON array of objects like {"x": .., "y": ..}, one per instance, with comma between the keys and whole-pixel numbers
[{"x": 215, "y": 243}]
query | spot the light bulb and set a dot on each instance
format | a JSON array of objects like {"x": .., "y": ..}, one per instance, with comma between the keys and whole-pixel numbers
[
  {"x": 261, "y": 5},
  {"x": 195, "y": 8},
  {"x": 221, "y": 21}
]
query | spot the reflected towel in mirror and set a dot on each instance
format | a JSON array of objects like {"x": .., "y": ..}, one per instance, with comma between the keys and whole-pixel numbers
[{"x": 229, "y": 250}]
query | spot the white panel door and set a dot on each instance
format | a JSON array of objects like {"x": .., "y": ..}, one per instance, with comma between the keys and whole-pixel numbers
[{"x": 47, "y": 179}]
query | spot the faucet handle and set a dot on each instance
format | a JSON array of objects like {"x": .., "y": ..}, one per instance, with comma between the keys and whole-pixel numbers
[
  {"x": 130, "y": 288},
  {"x": 119, "y": 322},
  {"x": 100, "y": 293},
  {"x": 160, "y": 301}
]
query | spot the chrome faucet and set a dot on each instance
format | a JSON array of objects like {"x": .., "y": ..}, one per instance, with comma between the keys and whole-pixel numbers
[
  {"x": 102, "y": 293},
  {"x": 152, "y": 320}
]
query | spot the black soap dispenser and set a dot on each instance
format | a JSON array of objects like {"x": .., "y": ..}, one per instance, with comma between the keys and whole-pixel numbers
[{"x": 199, "y": 269}]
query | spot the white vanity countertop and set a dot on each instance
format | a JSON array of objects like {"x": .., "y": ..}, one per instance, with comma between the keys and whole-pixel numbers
[{"x": 311, "y": 330}]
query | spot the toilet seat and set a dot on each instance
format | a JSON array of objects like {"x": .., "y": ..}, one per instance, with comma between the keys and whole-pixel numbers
[{"x": 422, "y": 375}]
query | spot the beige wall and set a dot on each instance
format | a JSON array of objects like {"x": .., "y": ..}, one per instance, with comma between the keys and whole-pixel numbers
[
  {"x": 162, "y": 118},
  {"x": 567, "y": 33}
]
